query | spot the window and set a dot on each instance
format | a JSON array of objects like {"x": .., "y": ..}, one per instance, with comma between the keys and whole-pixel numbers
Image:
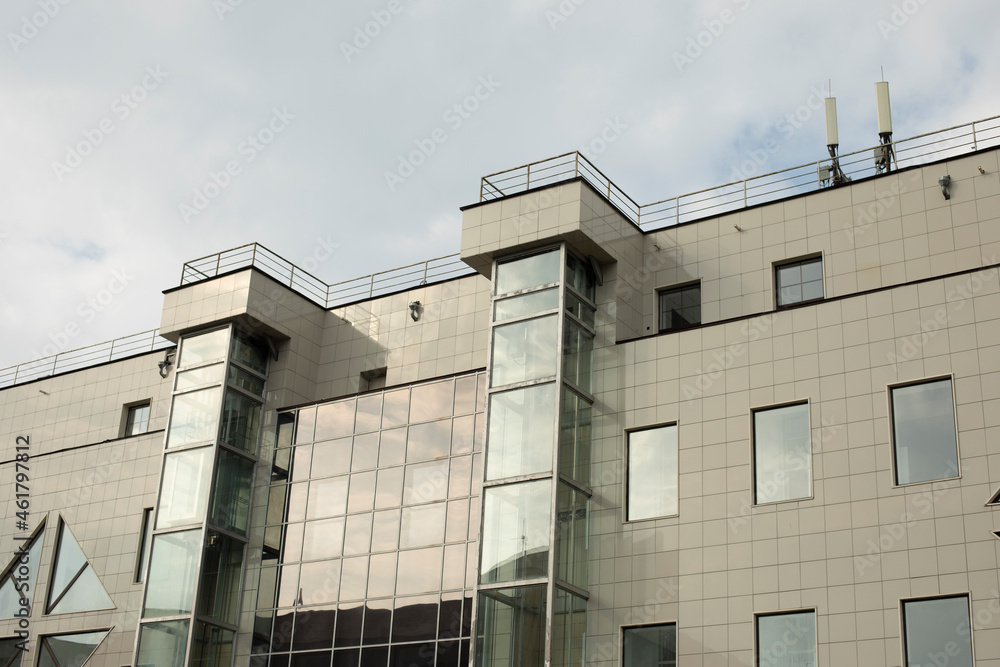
[
  {"x": 19, "y": 579},
  {"x": 798, "y": 282},
  {"x": 136, "y": 419},
  {"x": 937, "y": 631},
  {"x": 781, "y": 454},
  {"x": 10, "y": 652},
  {"x": 651, "y": 460},
  {"x": 680, "y": 307},
  {"x": 74, "y": 585},
  {"x": 786, "y": 639},
  {"x": 144, "y": 539},
  {"x": 923, "y": 431},
  {"x": 69, "y": 650},
  {"x": 650, "y": 646}
]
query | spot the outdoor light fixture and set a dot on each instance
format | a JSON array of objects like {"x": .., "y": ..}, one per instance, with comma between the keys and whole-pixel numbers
[
  {"x": 415, "y": 310},
  {"x": 945, "y": 183},
  {"x": 165, "y": 365}
]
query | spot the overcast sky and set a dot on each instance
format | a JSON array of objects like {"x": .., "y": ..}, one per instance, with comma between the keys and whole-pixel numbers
[{"x": 115, "y": 116}]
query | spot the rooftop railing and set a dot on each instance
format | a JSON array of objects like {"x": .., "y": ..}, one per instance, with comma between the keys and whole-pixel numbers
[
  {"x": 326, "y": 295},
  {"x": 84, "y": 357},
  {"x": 921, "y": 149}
]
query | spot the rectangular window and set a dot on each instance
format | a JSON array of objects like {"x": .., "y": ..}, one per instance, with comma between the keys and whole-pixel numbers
[
  {"x": 136, "y": 419},
  {"x": 923, "y": 431},
  {"x": 650, "y": 646},
  {"x": 651, "y": 459},
  {"x": 145, "y": 537},
  {"x": 937, "y": 631},
  {"x": 798, "y": 282},
  {"x": 786, "y": 639},
  {"x": 781, "y": 454},
  {"x": 680, "y": 307}
]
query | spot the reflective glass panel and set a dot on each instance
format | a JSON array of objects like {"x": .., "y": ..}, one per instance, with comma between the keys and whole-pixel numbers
[
  {"x": 569, "y": 629},
  {"x": 365, "y": 455},
  {"x": 69, "y": 650},
  {"x": 358, "y": 535},
  {"x": 522, "y": 422},
  {"x": 184, "y": 492},
  {"x": 198, "y": 376},
  {"x": 425, "y": 482},
  {"x": 531, "y": 271},
  {"x": 319, "y": 582},
  {"x": 230, "y": 507},
  {"x": 201, "y": 348},
  {"x": 650, "y": 645},
  {"x": 419, "y": 571},
  {"x": 137, "y": 420},
  {"x": 249, "y": 351},
  {"x": 583, "y": 310},
  {"x": 162, "y": 644},
  {"x": 463, "y": 434},
  {"x": 385, "y": 531},
  {"x": 788, "y": 639},
  {"x": 516, "y": 531},
  {"x": 335, "y": 420},
  {"x": 923, "y": 423},
  {"x": 75, "y": 586},
  {"x": 246, "y": 381},
  {"x": 526, "y": 304},
  {"x": 524, "y": 350},
  {"x": 579, "y": 275},
  {"x": 10, "y": 654},
  {"x": 680, "y": 307},
  {"x": 323, "y": 539},
  {"x": 378, "y": 618},
  {"x": 572, "y": 535},
  {"x": 800, "y": 281},
  {"x": 314, "y": 628},
  {"x": 220, "y": 578},
  {"x": 369, "y": 416},
  {"x": 389, "y": 489},
  {"x": 349, "y": 621},
  {"x": 652, "y": 473},
  {"x": 305, "y": 429},
  {"x": 240, "y": 422},
  {"x": 327, "y": 497},
  {"x": 511, "y": 627},
  {"x": 211, "y": 646},
  {"x": 465, "y": 395},
  {"x": 578, "y": 354},
  {"x": 461, "y": 476},
  {"x": 423, "y": 525},
  {"x": 362, "y": 492},
  {"x": 332, "y": 457},
  {"x": 454, "y": 567},
  {"x": 392, "y": 447},
  {"x": 395, "y": 408},
  {"x": 172, "y": 569},
  {"x": 194, "y": 417},
  {"x": 354, "y": 578},
  {"x": 937, "y": 632},
  {"x": 574, "y": 436},
  {"x": 428, "y": 441},
  {"x": 144, "y": 542},
  {"x": 381, "y": 577},
  {"x": 431, "y": 401},
  {"x": 782, "y": 457},
  {"x": 415, "y": 619}
]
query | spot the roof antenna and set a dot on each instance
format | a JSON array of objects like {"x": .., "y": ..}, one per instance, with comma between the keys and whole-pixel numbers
[
  {"x": 885, "y": 154},
  {"x": 831, "y": 174}
]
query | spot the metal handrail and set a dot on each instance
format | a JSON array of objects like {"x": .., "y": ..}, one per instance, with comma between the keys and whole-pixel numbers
[
  {"x": 323, "y": 294},
  {"x": 83, "y": 357},
  {"x": 733, "y": 196}
]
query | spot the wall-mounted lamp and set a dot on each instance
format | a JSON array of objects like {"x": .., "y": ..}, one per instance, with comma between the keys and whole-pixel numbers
[
  {"x": 945, "y": 183},
  {"x": 414, "y": 310},
  {"x": 167, "y": 362}
]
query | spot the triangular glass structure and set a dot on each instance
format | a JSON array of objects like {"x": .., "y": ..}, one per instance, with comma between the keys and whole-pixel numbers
[
  {"x": 69, "y": 650},
  {"x": 74, "y": 585},
  {"x": 994, "y": 499},
  {"x": 19, "y": 577}
]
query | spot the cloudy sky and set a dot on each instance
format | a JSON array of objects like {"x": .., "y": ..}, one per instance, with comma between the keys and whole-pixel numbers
[{"x": 119, "y": 120}]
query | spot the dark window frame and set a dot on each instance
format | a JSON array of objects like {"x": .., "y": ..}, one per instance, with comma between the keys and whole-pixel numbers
[
  {"x": 957, "y": 473},
  {"x": 130, "y": 409},
  {"x": 929, "y": 598},
  {"x": 626, "y": 628},
  {"x": 799, "y": 261},
  {"x": 681, "y": 289}
]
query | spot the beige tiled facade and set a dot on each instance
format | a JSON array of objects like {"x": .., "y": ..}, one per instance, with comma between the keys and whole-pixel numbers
[{"x": 911, "y": 291}]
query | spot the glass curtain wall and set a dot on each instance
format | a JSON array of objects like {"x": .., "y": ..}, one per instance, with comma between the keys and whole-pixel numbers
[
  {"x": 191, "y": 599},
  {"x": 531, "y": 608}
]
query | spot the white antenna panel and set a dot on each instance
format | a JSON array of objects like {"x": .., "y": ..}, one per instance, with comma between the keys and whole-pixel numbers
[
  {"x": 831, "y": 122},
  {"x": 884, "y": 114}
]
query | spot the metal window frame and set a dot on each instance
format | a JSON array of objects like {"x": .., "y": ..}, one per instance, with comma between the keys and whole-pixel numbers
[
  {"x": 967, "y": 594},
  {"x": 753, "y": 451},
  {"x": 757, "y": 615},
  {"x": 625, "y": 461},
  {"x": 950, "y": 377},
  {"x": 802, "y": 259},
  {"x": 660, "y": 291}
]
